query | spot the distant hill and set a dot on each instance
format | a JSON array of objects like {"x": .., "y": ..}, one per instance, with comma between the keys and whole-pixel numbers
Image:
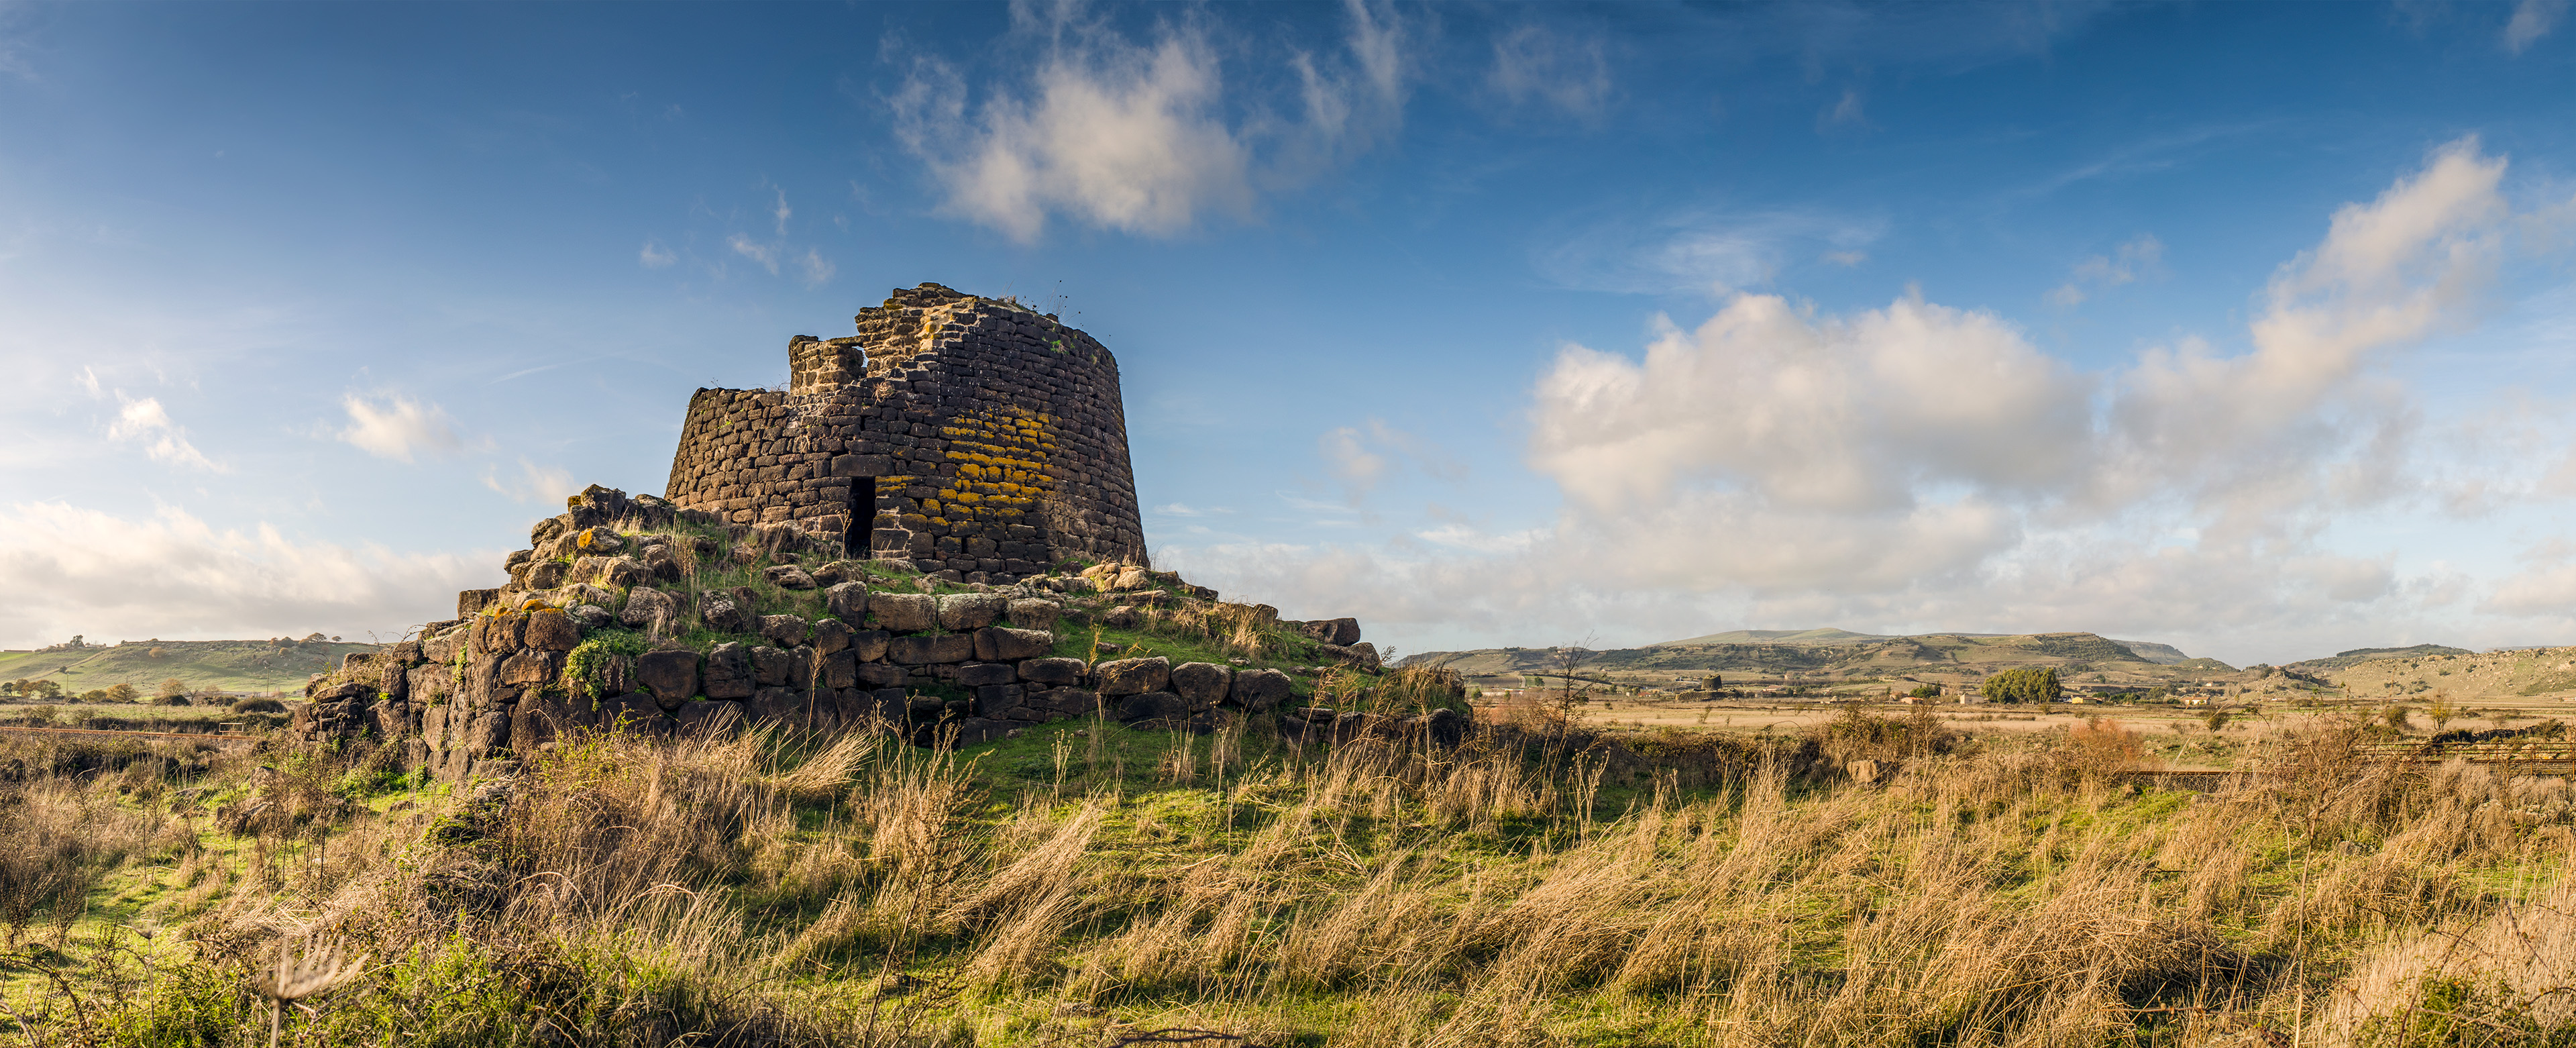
[
  {"x": 2160, "y": 654},
  {"x": 1825, "y": 635},
  {"x": 2356, "y": 656},
  {"x": 232, "y": 665},
  {"x": 1832, "y": 653}
]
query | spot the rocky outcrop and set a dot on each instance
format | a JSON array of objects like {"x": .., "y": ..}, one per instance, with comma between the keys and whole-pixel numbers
[{"x": 528, "y": 664}]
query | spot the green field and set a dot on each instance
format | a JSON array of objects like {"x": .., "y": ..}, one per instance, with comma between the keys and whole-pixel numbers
[{"x": 231, "y": 665}]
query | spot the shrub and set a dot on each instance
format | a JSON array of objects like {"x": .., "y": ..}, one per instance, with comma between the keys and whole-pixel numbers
[
  {"x": 2023, "y": 685},
  {"x": 258, "y": 705}
]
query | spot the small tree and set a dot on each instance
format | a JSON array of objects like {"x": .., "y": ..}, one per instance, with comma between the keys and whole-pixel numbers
[
  {"x": 169, "y": 687},
  {"x": 1566, "y": 660},
  {"x": 2440, "y": 711},
  {"x": 123, "y": 692}
]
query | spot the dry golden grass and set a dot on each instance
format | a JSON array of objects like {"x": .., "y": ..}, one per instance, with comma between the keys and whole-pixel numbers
[{"x": 1542, "y": 888}]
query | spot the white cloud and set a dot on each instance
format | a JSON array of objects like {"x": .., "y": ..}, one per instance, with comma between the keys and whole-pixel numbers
[
  {"x": 782, "y": 212},
  {"x": 817, "y": 269},
  {"x": 2112, "y": 270},
  {"x": 2532, "y": 19},
  {"x": 1362, "y": 457},
  {"x": 1926, "y": 467},
  {"x": 1699, "y": 249},
  {"x": 72, "y": 570},
  {"x": 1137, "y": 137},
  {"x": 1845, "y": 111},
  {"x": 655, "y": 256},
  {"x": 1533, "y": 63},
  {"x": 89, "y": 381},
  {"x": 1177, "y": 509},
  {"x": 543, "y": 485},
  {"x": 397, "y": 427},
  {"x": 145, "y": 422},
  {"x": 762, "y": 253}
]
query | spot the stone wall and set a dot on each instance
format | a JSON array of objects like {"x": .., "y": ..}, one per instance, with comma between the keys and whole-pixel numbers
[
  {"x": 974, "y": 438},
  {"x": 470, "y": 696}
]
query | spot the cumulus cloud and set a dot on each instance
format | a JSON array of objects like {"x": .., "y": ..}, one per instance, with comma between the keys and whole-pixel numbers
[
  {"x": 397, "y": 427},
  {"x": 170, "y": 575},
  {"x": 2532, "y": 19},
  {"x": 1136, "y": 136},
  {"x": 1924, "y": 466},
  {"x": 146, "y": 423},
  {"x": 543, "y": 485}
]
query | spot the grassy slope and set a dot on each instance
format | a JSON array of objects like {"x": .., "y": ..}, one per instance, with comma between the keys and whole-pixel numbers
[
  {"x": 1086, "y": 883},
  {"x": 232, "y": 665},
  {"x": 2519, "y": 677}
]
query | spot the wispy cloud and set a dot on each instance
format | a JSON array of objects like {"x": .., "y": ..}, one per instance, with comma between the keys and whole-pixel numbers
[
  {"x": 145, "y": 422},
  {"x": 2103, "y": 271},
  {"x": 815, "y": 269},
  {"x": 655, "y": 256},
  {"x": 1699, "y": 249},
  {"x": 1535, "y": 63},
  {"x": 782, "y": 212},
  {"x": 543, "y": 485},
  {"x": 1176, "y": 509},
  {"x": 2532, "y": 19},
  {"x": 748, "y": 248},
  {"x": 396, "y": 427}
]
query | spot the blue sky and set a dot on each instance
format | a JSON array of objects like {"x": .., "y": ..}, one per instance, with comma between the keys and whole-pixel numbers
[{"x": 2242, "y": 327}]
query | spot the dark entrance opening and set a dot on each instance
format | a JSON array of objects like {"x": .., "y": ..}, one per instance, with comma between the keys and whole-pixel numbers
[{"x": 862, "y": 517}]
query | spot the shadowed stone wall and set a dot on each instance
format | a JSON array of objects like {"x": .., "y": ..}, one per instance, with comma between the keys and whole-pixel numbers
[{"x": 961, "y": 434}]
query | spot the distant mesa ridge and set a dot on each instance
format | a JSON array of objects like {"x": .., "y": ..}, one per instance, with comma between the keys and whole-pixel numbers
[{"x": 2146, "y": 650}]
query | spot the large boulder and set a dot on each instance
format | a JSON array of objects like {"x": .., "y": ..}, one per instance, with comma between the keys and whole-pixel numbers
[
  {"x": 903, "y": 612},
  {"x": 1259, "y": 690},
  {"x": 831, "y": 635},
  {"x": 552, "y": 630},
  {"x": 710, "y": 720},
  {"x": 1052, "y": 672},
  {"x": 722, "y": 615},
  {"x": 869, "y": 645},
  {"x": 547, "y": 574},
  {"x": 634, "y": 711},
  {"x": 672, "y": 676},
  {"x": 840, "y": 670},
  {"x": 1161, "y": 707},
  {"x": 728, "y": 672},
  {"x": 961, "y": 612},
  {"x": 1133, "y": 676},
  {"x": 1062, "y": 702},
  {"x": 1201, "y": 684},
  {"x": 778, "y": 705},
  {"x": 1004, "y": 644},
  {"x": 622, "y": 571},
  {"x": 788, "y": 577},
  {"x": 848, "y": 602},
  {"x": 531, "y": 667},
  {"x": 1030, "y": 613},
  {"x": 786, "y": 631},
  {"x": 927, "y": 650},
  {"x": 776, "y": 667},
  {"x": 646, "y": 606}
]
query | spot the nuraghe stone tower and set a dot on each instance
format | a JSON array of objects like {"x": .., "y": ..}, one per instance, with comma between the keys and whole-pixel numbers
[{"x": 960, "y": 433}]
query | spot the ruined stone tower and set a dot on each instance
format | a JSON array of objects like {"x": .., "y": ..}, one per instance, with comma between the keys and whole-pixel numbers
[{"x": 960, "y": 433}]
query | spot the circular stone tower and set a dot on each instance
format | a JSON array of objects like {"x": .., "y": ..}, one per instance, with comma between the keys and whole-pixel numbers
[{"x": 963, "y": 434}]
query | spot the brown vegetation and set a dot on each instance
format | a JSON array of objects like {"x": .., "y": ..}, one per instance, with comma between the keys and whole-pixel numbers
[{"x": 1531, "y": 887}]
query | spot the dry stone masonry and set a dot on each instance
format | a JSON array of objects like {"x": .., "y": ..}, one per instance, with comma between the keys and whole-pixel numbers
[{"x": 965, "y": 435}]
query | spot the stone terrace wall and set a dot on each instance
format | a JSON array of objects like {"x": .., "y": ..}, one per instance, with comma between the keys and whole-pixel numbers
[
  {"x": 472, "y": 696},
  {"x": 965, "y": 435}
]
